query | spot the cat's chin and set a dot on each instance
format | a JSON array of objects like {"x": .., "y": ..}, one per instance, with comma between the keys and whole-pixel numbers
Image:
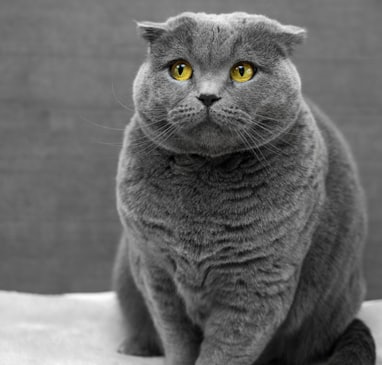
[
  {"x": 202, "y": 149},
  {"x": 207, "y": 139}
]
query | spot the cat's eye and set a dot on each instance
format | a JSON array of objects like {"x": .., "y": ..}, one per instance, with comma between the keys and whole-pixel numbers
[
  {"x": 242, "y": 71},
  {"x": 181, "y": 70}
]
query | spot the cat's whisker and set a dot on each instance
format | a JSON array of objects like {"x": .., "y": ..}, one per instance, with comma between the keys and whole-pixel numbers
[
  {"x": 118, "y": 100},
  {"x": 249, "y": 123},
  {"x": 256, "y": 114},
  {"x": 250, "y": 144},
  {"x": 246, "y": 120},
  {"x": 281, "y": 131},
  {"x": 252, "y": 139},
  {"x": 156, "y": 139},
  {"x": 254, "y": 148},
  {"x": 168, "y": 133},
  {"x": 158, "y": 123},
  {"x": 265, "y": 117},
  {"x": 245, "y": 142},
  {"x": 231, "y": 131},
  {"x": 275, "y": 129},
  {"x": 101, "y": 125},
  {"x": 265, "y": 141},
  {"x": 267, "y": 144},
  {"x": 113, "y": 144},
  {"x": 267, "y": 166},
  {"x": 160, "y": 117}
]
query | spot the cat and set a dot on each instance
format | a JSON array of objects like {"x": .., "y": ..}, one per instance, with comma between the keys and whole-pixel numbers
[{"x": 243, "y": 216}]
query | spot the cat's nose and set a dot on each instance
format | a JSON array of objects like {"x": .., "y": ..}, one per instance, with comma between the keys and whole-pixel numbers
[{"x": 208, "y": 99}]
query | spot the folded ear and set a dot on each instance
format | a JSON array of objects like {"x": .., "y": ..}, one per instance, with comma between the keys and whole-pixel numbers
[
  {"x": 288, "y": 37},
  {"x": 284, "y": 37},
  {"x": 151, "y": 31}
]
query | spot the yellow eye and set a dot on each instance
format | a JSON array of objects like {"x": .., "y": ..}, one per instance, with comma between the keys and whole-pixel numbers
[
  {"x": 242, "y": 72},
  {"x": 181, "y": 70}
]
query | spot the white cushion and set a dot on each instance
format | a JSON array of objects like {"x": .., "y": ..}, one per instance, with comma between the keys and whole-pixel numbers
[{"x": 79, "y": 329}]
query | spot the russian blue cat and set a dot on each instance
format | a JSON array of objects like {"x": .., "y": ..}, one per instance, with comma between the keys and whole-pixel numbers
[{"x": 244, "y": 220}]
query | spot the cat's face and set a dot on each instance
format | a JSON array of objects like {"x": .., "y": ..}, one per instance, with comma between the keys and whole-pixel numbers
[{"x": 217, "y": 84}]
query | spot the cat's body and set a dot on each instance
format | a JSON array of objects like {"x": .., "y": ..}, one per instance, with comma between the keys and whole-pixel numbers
[{"x": 240, "y": 251}]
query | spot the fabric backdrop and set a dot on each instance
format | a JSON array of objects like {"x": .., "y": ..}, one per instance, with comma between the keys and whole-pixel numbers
[{"x": 66, "y": 69}]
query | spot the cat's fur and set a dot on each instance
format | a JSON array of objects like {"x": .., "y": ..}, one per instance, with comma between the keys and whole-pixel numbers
[{"x": 244, "y": 222}]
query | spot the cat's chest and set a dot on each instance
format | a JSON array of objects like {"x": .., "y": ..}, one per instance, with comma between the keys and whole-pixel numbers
[
  {"x": 210, "y": 224},
  {"x": 192, "y": 209},
  {"x": 193, "y": 202}
]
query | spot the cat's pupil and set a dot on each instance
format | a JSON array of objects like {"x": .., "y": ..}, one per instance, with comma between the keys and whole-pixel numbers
[
  {"x": 241, "y": 70},
  {"x": 180, "y": 68}
]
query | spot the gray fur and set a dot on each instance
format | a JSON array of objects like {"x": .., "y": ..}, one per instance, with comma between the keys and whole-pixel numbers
[{"x": 243, "y": 225}]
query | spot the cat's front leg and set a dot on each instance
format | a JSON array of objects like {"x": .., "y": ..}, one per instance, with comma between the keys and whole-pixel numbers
[
  {"x": 237, "y": 334},
  {"x": 231, "y": 339},
  {"x": 180, "y": 338}
]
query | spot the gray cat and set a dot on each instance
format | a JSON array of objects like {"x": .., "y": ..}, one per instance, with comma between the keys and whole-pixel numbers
[{"x": 243, "y": 216}]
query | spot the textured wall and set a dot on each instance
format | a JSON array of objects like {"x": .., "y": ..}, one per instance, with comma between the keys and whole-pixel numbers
[{"x": 58, "y": 63}]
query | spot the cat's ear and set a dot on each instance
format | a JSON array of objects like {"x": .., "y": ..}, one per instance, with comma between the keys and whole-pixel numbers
[
  {"x": 151, "y": 31},
  {"x": 288, "y": 37},
  {"x": 285, "y": 37}
]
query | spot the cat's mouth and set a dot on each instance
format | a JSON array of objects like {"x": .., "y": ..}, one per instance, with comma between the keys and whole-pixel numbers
[
  {"x": 205, "y": 132},
  {"x": 209, "y": 130},
  {"x": 207, "y": 137},
  {"x": 201, "y": 133},
  {"x": 204, "y": 119},
  {"x": 204, "y": 126},
  {"x": 209, "y": 118}
]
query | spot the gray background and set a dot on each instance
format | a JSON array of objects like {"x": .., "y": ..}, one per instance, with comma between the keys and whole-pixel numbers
[{"x": 58, "y": 63}]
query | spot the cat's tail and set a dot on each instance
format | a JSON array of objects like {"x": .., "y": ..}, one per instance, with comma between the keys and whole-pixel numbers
[{"x": 355, "y": 346}]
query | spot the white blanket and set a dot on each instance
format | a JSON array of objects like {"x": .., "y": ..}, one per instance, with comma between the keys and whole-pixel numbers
[{"x": 79, "y": 329}]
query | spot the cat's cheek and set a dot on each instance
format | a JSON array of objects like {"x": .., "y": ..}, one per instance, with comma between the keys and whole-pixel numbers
[
  {"x": 289, "y": 81},
  {"x": 139, "y": 81},
  {"x": 172, "y": 93},
  {"x": 295, "y": 76},
  {"x": 171, "y": 86},
  {"x": 250, "y": 94}
]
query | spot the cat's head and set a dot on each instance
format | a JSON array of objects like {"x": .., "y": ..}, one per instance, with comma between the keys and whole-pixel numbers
[{"x": 217, "y": 84}]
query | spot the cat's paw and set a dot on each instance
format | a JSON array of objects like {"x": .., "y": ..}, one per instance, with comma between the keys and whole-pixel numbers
[{"x": 137, "y": 347}]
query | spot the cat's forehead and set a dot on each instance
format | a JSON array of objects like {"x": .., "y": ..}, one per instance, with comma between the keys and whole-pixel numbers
[
  {"x": 219, "y": 38},
  {"x": 227, "y": 21},
  {"x": 207, "y": 38}
]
